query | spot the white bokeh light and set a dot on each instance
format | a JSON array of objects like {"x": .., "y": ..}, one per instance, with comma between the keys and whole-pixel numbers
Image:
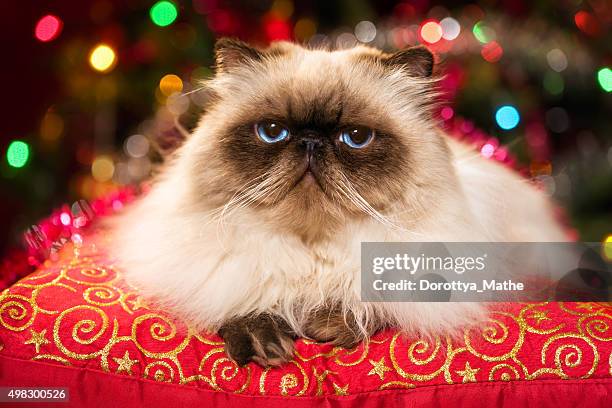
[
  {"x": 136, "y": 146},
  {"x": 450, "y": 28},
  {"x": 365, "y": 31},
  {"x": 556, "y": 60}
]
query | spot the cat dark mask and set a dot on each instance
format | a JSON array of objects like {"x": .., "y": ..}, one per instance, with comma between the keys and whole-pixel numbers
[{"x": 313, "y": 132}]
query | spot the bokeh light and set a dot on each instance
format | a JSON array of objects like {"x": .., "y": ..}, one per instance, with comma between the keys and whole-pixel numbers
[
  {"x": 557, "y": 119},
  {"x": 17, "y": 153},
  {"x": 102, "y": 168},
  {"x": 492, "y": 51},
  {"x": 102, "y": 58},
  {"x": 177, "y": 104},
  {"x": 48, "y": 28},
  {"x": 607, "y": 247},
  {"x": 365, "y": 31},
  {"x": 487, "y": 150},
  {"x": 587, "y": 23},
  {"x": 163, "y": 13},
  {"x": 65, "y": 218},
  {"x": 277, "y": 29},
  {"x": 554, "y": 83},
  {"x": 483, "y": 33},
  {"x": 345, "y": 40},
  {"x": 450, "y": 28},
  {"x": 431, "y": 32},
  {"x": 139, "y": 168},
  {"x": 447, "y": 113},
  {"x": 604, "y": 77},
  {"x": 507, "y": 117},
  {"x": 51, "y": 127},
  {"x": 304, "y": 29},
  {"x": 136, "y": 146},
  {"x": 170, "y": 84},
  {"x": 556, "y": 59}
]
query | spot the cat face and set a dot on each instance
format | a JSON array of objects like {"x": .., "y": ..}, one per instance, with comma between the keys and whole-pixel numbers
[{"x": 308, "y": 135}]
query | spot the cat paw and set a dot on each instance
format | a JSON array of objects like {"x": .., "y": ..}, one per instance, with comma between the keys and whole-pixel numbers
[
  {"x": 264, "y": 339},
  {"x": 331, "y": 326}
]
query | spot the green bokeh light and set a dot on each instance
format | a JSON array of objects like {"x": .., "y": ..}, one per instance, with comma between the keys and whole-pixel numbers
[
  {"x": 17, "y": 154},
  {"x": 163, "y": 13},
  {"x": 483, "y": 33},
  {"x": 604, "y": 77},
  {"x": 553, "y": 83}
]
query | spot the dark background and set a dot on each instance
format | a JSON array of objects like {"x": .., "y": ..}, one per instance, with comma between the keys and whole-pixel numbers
[{"x": 70, "y": 114}]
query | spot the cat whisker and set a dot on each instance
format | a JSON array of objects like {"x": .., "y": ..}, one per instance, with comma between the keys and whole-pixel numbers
[
  {"x": 246, "y": 198},
  {"x": 235, "y": 197},
  {"x": 192, "y": 91},
  {"x": 345, "y": 187}
]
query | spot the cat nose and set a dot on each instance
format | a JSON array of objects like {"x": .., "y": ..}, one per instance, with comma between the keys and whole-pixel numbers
[{"x": 310, "y": 142}]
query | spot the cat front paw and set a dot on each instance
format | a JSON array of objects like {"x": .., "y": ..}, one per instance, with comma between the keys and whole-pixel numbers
[
  {"x": 331, "y": 325},
  {"x": 264, "y": 338}
]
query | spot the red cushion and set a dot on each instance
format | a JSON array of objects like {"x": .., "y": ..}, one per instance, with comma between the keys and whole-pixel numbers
[{"x": 76, "y": 323}]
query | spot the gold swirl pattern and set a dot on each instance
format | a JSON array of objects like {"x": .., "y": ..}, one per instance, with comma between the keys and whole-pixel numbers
[
  {"x": 101, "y": 296},
  {"x": 569, "y": 355},
  {"x": 17, "y": 312},
  {"x": 504, "y": 372},
  {"x": 598, "y": 326},
  {"x": 289, "y": 382},
  {"x": 86, "y": 324},
  {"x": 413, "y": 368},
  {"x": 497, "y": 332},
  {"x": 159, "y": 371},
  {"x": 78, "y": 312}
]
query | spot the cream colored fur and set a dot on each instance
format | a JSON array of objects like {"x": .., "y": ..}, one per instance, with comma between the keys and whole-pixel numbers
[{"x": 174, "y": 248}]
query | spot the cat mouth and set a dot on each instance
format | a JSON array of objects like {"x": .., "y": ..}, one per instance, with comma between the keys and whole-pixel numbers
[{"x": 309, "y": 177}]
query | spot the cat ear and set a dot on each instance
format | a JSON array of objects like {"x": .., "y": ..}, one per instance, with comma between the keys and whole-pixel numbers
[
  {"x": 417, "y": 61},
  {"x": 231, "y": 53}
]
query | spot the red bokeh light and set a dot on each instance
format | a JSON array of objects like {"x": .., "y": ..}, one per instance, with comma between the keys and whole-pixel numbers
[
  {"x": 222, "y": 22},
  {"x": 587, "y": 23},
  {"x": 492, "y": 52},
  {"x": 277, "y": 29},
  {"x": 48, "y": 28},
  {"x": 447, "y": 113}
]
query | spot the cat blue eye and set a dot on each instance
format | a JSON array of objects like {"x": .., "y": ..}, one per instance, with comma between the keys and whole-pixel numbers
[
  {"x": 271, "y": 132},
  {"x": 357, "y": 137}
]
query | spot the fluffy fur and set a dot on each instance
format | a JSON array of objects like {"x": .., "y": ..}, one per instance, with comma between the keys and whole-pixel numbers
[{"x": 230, "y": 229}]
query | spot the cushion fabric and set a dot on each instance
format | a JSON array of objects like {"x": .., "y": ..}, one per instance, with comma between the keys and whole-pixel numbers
[{"x": 76, "y": 323}]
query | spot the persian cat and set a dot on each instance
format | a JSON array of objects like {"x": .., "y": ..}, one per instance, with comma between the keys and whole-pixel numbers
[{"x": 253, "y": 229}]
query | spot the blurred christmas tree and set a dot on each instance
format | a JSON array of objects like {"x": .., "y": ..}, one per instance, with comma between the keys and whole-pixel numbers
[{"x": 93, "y": 86}]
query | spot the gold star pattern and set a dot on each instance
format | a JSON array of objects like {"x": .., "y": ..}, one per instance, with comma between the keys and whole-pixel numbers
[
  {"x": 125, "y": 363},
  {"x": 138, "y": 303},
  {"x": 468, "y": 373},
  {"x": 338, "y": 390},
  {"x": 37, "y": 339},
  {"x": 320, "y": 378},
  {"x": 379, "y": 368},
  {"x": 539, "y": 316}
]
